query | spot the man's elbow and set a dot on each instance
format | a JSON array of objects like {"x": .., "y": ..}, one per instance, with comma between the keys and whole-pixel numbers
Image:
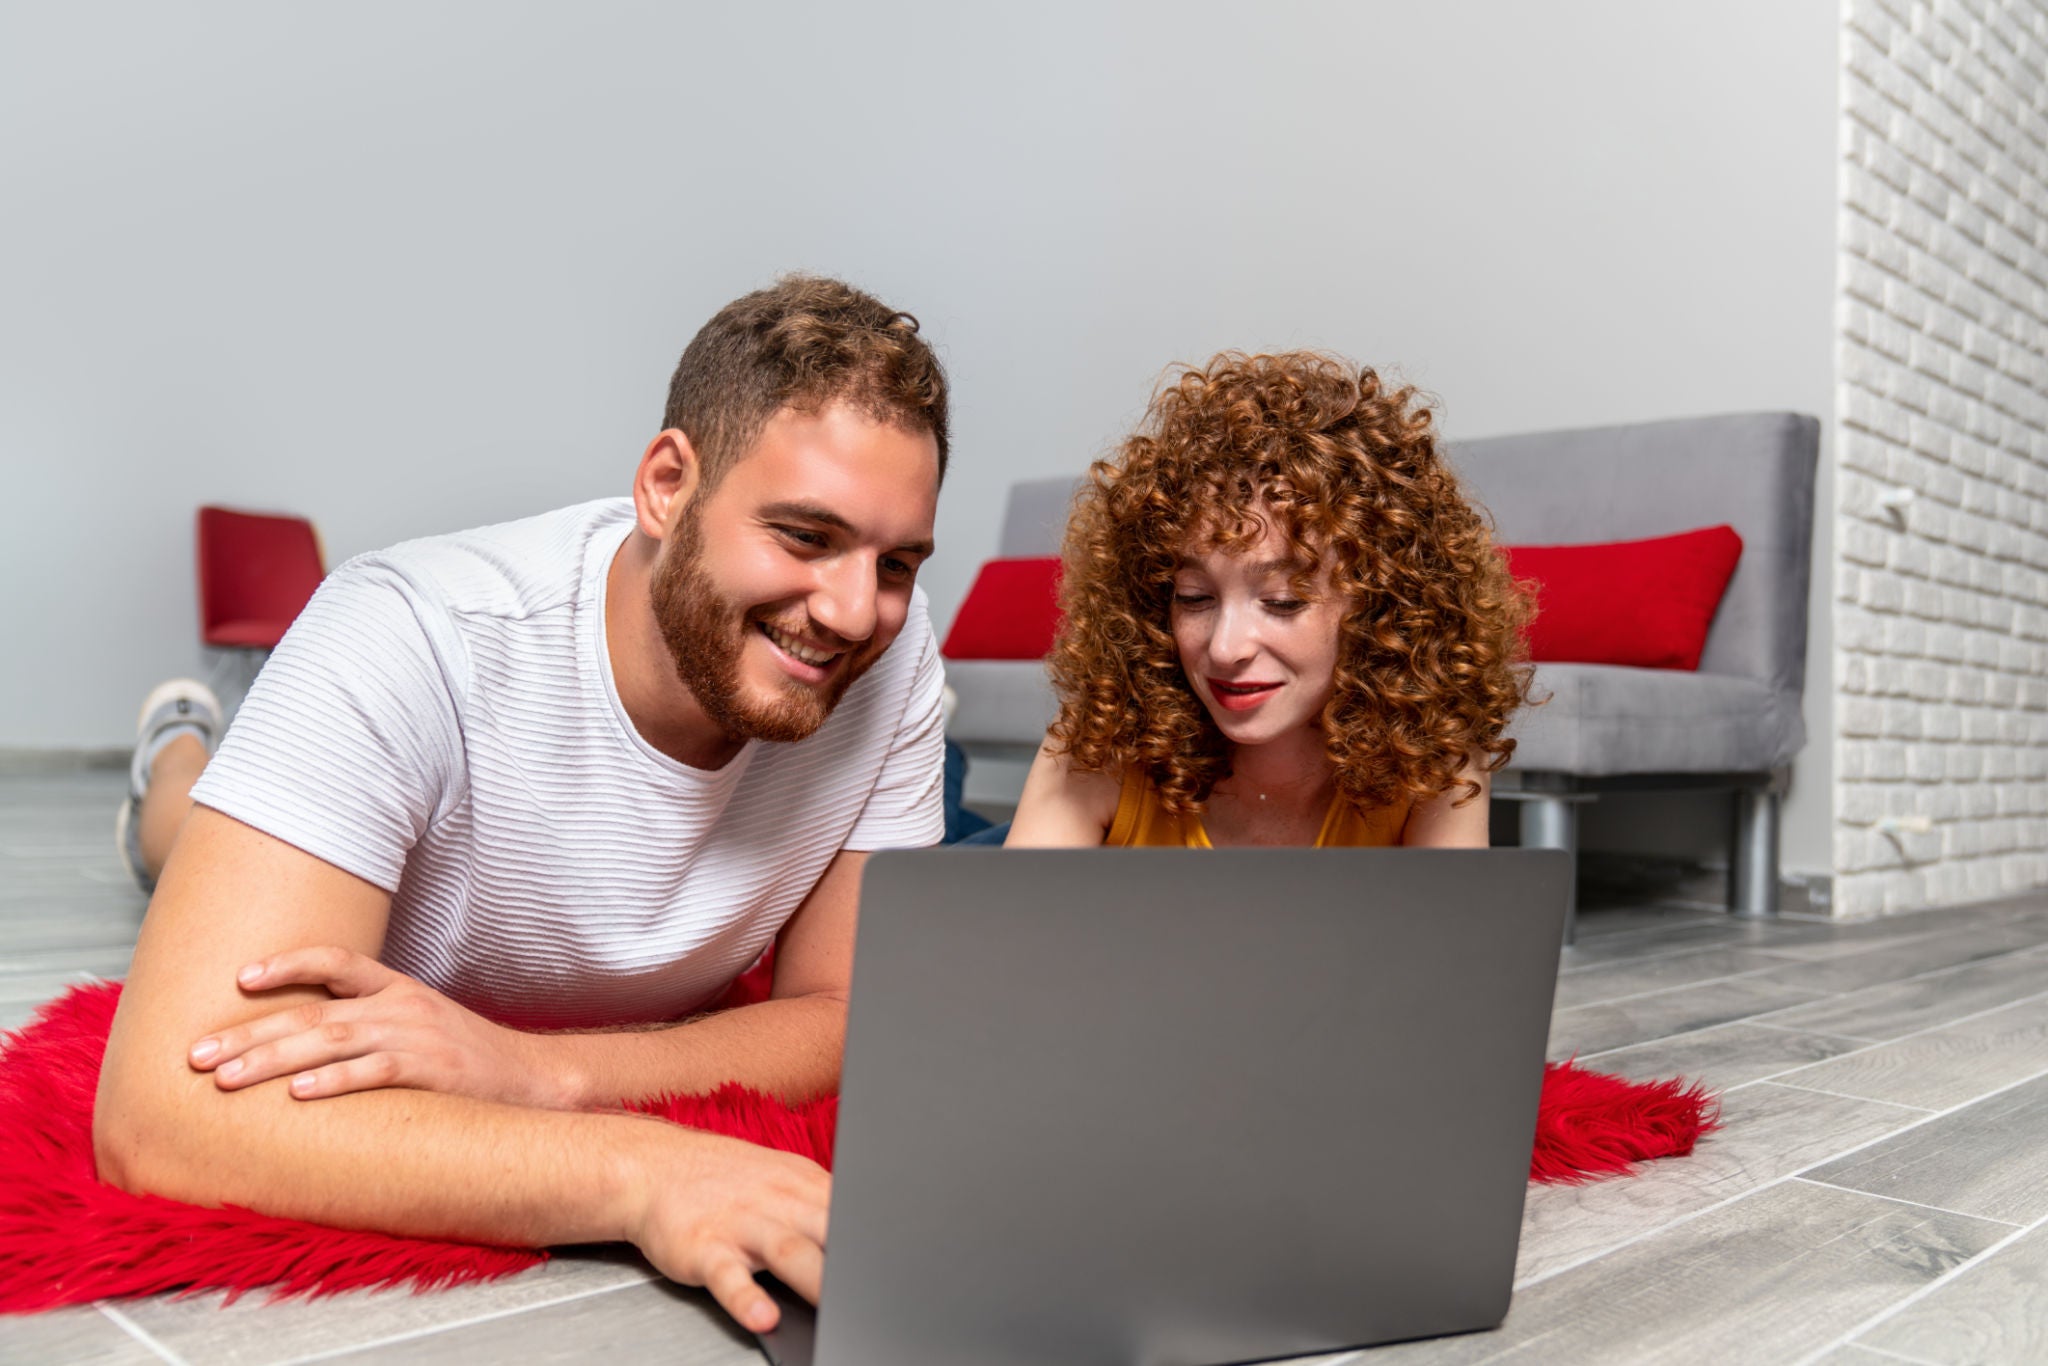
[
  {"x": 118, "y": 1152},
  {"x": 140, "y": 1144}
]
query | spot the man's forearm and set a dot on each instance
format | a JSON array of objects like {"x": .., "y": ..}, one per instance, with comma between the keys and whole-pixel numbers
[
  {"x": 400, "y": 1161},
  {"x": 790, "y": 1048}
]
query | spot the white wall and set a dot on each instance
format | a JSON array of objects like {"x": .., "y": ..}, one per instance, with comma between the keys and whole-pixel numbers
[
  {"x": 1942, "y": 618},
  {"x": 406, "y": 268}
]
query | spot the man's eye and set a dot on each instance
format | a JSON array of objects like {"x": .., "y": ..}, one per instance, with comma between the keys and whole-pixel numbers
[
  {"x": 800, "y": 536},
  {"x": 898, "y": 569}
]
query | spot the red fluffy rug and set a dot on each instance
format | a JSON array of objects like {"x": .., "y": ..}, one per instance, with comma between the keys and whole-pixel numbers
[{"x": 67, "y": 1239}]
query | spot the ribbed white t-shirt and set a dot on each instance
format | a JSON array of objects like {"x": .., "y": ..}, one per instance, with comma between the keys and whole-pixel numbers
[{"x": 442, "y": 721}]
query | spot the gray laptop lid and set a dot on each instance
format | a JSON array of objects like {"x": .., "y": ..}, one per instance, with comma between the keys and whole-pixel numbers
[{"x": 1143, "y": 1106}]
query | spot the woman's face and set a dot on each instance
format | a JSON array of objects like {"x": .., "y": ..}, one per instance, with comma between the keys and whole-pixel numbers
[{"x": 1261, "y": 655}]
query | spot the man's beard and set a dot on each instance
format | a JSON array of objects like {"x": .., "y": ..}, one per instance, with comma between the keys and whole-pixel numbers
[{"x": 705, "y": 634}]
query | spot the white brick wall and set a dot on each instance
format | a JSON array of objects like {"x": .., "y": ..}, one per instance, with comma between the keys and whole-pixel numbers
[{"x": 1941, "y": 493}]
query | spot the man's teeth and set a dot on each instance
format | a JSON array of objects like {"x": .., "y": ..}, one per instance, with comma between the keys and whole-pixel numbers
[{"x": 790, "y": 645}]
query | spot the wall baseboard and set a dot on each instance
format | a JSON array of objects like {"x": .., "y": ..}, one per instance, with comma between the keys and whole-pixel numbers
[
  {"x": 28, "y": 762},
  {"x": 1608, "y": 879}
]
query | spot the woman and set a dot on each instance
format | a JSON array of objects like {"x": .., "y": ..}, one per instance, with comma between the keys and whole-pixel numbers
[{"x": 1284, "y": 624}]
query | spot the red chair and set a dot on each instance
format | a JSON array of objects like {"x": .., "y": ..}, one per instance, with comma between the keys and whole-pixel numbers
[{"x": 255, "y": 574}]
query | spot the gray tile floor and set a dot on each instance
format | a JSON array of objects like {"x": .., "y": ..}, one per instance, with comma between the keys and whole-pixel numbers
[{"x": 1879, "y": 1192}]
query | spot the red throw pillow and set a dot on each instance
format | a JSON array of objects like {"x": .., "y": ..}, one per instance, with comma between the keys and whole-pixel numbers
[
  {"x": 1645, "y": 603},
  {"x": 1011, "y": 612}
]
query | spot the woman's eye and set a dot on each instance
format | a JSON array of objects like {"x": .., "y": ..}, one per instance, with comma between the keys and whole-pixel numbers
[
  {"x": 1188, "y": 600},
  {"x": 1285, "y": 607}
]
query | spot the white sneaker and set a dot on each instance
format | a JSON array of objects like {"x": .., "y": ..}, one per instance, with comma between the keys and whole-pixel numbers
[{"x": 182, "y": 706}]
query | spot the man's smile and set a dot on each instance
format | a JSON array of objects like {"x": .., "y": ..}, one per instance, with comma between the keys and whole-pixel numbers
[{"x": 796, "y": 649}]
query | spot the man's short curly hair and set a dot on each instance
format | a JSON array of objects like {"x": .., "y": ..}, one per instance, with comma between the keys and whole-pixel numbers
[
  {"x": 804, "y": 343},
  {"x": 1430, "y": 662}
]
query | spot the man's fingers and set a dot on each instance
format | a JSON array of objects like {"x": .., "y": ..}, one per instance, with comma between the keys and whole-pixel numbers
[
  {"x": 223, "y": 1045},
  {"x": 799, "y": 1263},
  {"x": 370, "y": 1073},
  {"x": 731, "y": 1282},
  {"x": 812, "y": 1206},
  {"x": 342, "y": 971},
  {"x": 298, "y": 1050}
]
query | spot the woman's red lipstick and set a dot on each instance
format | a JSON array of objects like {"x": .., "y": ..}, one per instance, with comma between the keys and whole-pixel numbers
[{"x": 1240, "y": 696}]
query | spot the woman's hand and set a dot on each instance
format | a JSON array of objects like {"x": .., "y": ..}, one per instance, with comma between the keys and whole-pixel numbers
[{"x": 382, "y": 1029}]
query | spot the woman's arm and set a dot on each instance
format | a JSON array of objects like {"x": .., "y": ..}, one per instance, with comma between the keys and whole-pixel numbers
[
  {"x": 1062, "y": 808},
  {"x": 1444, "y": 822}
]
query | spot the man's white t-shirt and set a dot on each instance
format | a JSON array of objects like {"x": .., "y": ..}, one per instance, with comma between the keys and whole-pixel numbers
[{"x": 442, "y": 721}]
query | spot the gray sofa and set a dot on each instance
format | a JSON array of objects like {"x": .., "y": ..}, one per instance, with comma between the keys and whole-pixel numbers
[{"x": 1734, "y": 725}]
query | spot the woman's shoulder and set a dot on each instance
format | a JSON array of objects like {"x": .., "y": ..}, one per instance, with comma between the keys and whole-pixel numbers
[{"x": 1063, "y": 805}]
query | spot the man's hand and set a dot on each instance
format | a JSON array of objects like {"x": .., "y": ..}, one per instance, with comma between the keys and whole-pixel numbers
[
  {"x": 382, "y": 1029},
  {"x": 727, "y": 1209}
]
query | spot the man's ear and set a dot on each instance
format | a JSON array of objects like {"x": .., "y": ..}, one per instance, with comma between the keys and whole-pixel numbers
[{"x": 667, "y": 479}]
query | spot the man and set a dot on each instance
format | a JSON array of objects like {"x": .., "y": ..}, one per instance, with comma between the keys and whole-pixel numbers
[{"x": 571, "y": 774}]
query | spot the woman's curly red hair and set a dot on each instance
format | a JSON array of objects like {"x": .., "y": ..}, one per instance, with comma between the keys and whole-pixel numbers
[{"x": 1431, "y": 661}]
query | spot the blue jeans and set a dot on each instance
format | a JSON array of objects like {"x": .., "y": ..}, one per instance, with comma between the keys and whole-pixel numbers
[{"x": 961, "y": 823}]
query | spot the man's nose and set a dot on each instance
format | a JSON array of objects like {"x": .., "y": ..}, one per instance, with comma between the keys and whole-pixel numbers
[{"x": 845, "y": 600}]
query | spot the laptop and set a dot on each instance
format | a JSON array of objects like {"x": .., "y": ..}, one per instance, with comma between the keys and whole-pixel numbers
[{"x": 1150, "y": 1106}]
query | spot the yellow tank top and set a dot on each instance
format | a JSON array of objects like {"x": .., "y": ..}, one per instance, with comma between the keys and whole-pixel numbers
[{"x": 1143, "y": 823}]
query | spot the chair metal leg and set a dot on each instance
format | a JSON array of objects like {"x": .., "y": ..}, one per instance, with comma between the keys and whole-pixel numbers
[
  {"x": 1753, "y": 870},
  {"x": 1552, "y": 822}
]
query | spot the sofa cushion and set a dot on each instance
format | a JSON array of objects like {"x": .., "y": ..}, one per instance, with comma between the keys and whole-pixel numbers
[
  {"x": 1601, "y": 720},
  {"x": 1643, "y": 603},
  {"x": 1753, "y": 471},
  {"x": 1002, "y": 701},
  {"x": 1010, "y": 612}
]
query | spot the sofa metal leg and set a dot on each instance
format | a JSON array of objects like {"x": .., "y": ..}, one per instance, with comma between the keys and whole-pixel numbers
[
  {"x": 1753, "y": 871},
  {"x": 1549, "y": 822}
]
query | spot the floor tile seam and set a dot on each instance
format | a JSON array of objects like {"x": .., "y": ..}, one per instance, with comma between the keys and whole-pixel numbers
[
  {"x": 2036, "y": 999},
  {"x": 1966, "y": 964},
  {"x": 1925, "y": 1110},
  {"x": 1682, "y": 986},
  {"x": 1645, "y": 1234},
  {"x": 1783, "y": 1029},
  {"x": 1619, "y": 938},
  {"x": 1752, "y": 1193},
  {"x": 1916, "y": 1204},
  {"x": 1633, "y": 960},
  {"x": 1800, "y": 1029},
  {"x": 1779, "y": 1077},
  {"x": 330, "y": 1353},
  {"x": 1926, "y": 1117},
  {"x": 1890, "y": 1355},
  {"x": 2023, "y": 951},
  {"x": 1960, "y": 1019},
  {"x": 1898, "y": 1307},
  {"x": 1868, "y": 1045},
  {"x": 1812, "y": 997},
  {"x": 138, "y": 1332}
]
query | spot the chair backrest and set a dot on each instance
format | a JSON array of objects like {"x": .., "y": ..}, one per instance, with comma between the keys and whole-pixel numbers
[
  {"x": 256, "y": 572},
  {"x": 1753, "y": 471},
  {"x": 1035, "y": 516}
]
